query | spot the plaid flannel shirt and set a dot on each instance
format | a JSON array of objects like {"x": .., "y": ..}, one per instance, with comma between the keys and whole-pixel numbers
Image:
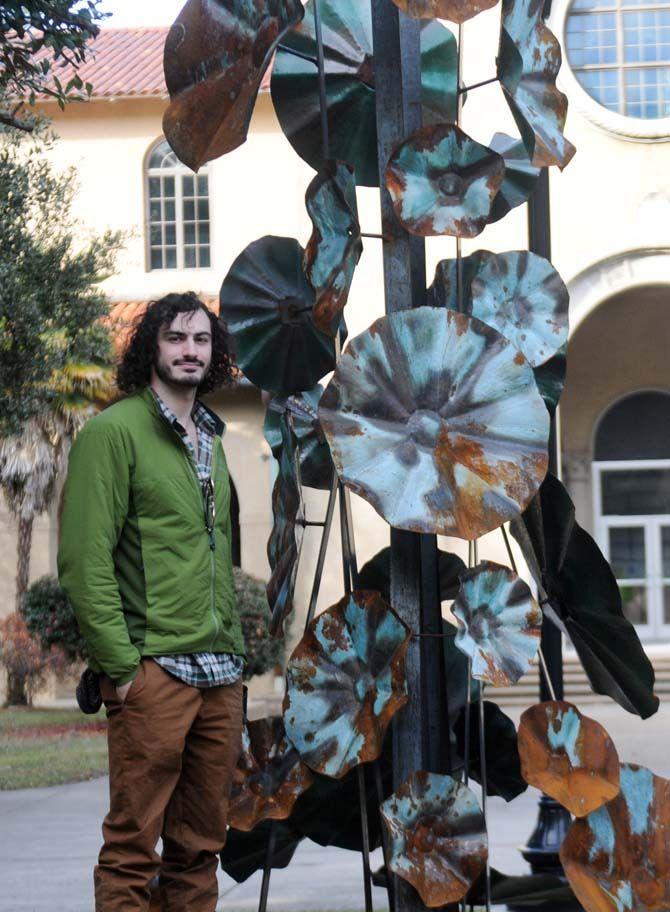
[{"x": 202, "y": 669}]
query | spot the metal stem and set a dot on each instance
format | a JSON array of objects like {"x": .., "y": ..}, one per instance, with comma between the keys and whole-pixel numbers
[
  {"x": 379, "y": 786},
  {"x": 484, "y": 781},
  {"x": 323, "y": 547},
  {"x": 369, "y": 234},
  {"x": 267, "y": 867},
  {"x": 365, "y": 834},
  {"x": 512, "y": 562},
  {"x": 325, "y": 139},
  {"x": 296, "y": 53},
  {"x": 477, "y": 85},
  {"x": 547, "y": 677}
]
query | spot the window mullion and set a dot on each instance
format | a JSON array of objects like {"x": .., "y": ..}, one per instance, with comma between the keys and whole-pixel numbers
[
  {"x": 179, "y": 220},
  {"x": 620, "y": 51}
]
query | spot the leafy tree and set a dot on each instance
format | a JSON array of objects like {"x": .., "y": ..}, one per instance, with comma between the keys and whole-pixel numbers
[
  {"x": 37, "y": 39},
  {"x": 26, "y": 661},
  {"x": 263, "y": 650},
  {"x": 50, "y": 619}
]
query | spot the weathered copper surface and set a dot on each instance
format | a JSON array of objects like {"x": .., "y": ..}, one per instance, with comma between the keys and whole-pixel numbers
[
  {"x": 267, "y": 304},
  {"x": 518, "y": 293},
  {"x": 286, "y": 536},
  {"x": 568, "y": 756},
  {"x": 269, "y": 778},
  {"x": 438, "y": 837},
  {"x": 435, "y": 419},
  {"x": 529, "y": 58},
  {"x": 499, "y": 623},
  {"x": 316, "y": 465},
  {"x": 520, "y": 175},
  {"x": 350, "y": 85},
  {"x": 618, "y": 858},
  {"x": 215, "y": 56},
  {"x": 454, "y": 10},
  {"x": 335, "y": 246},
  {"x": 345, "y": 681},
  {"x": 443, "y": 182}
]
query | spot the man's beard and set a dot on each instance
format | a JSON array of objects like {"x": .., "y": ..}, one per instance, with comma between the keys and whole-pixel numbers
[{"x": 185, "y": 380}]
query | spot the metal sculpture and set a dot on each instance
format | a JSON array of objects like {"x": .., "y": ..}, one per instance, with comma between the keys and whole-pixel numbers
[
  {"x": 345, "y": 681},
  {"x": 503, "y": 766},
  {"x": 454, "y": 10},
  {"x": 499, "y": 624},
  {"x": 267, "y": 304},
  {"x": 520, "y": 177},
  {"x": 335, "y": 246},
  {"x": 287, "y": 530},
  {"x": 269, "y": 778},
  {"x": 422, "y": 424},
  {"x": 438, "y": 837},
  {"x": 350, "y": 85},
  {"x": 568, "y": 756},
  {"x": 617, "y": 858},
  {"x": 529, "y": 58},
  {"x": 215, "y": 56},
  {"x": 443, "y": 182},
  {"x": 316, "y": 466}
]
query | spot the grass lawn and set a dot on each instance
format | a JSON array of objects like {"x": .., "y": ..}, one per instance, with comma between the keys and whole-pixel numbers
[{"x": 40, "y": 747}]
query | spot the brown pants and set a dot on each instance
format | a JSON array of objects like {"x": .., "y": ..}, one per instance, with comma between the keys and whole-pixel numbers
[{"x": 172, "y": 752}]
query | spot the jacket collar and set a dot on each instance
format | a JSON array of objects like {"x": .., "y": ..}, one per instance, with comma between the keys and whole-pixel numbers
[{"x": 148, "y": 397}]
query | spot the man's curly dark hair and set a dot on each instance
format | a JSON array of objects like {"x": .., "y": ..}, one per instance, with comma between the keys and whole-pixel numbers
[{"x": 134, "y": 370}]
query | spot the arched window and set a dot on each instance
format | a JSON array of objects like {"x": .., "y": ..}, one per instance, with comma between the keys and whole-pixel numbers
[
  {"x": 178, "y": 202},
  {"x": 632, "y": 493}
]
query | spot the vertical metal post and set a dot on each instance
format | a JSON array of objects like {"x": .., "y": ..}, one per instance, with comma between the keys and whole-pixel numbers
[
  {"x": 419, "y": 731},
  {"x": 553, "y": 821}
]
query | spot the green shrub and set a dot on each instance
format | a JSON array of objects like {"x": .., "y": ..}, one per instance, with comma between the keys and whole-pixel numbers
[
  {"x": 49, "y": 618},
  {"x": 263, "y": 650}
]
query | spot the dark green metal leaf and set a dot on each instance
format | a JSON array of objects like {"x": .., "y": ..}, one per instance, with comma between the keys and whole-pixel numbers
[
  {"x": 316, "y": 465},
  {"x": 244, "y": 853},
  {"x": 350, "y": 87},
  {"x": 503, "y": 765},
  {"x": 376, "y": 574},
  {"x": 520, "y": 176}
]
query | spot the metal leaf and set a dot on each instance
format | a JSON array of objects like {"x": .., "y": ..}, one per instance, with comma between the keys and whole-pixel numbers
[
  {"x": 245, "y": 853},
  {"x": 376, "y": 574},
  {"x": 454, "y": 10},
  {"x": 529, "y": 59},
  {"x": 345, "y": 681},
  {"x": 269, "y": 778},
  {"x": 215, "y": 56},
  {"x": 503, "y": 767},
  {"x": 335, "y": 246},
  {"x": 499, "y": 623},
  {"x": 316, "y": 465},
  {"x": 518, "y": 293},
  {"x": 350, "y": 85},
  {"x": 434, "y": 418},
  {"x": 267, "y": 304},
  {"x": 568, "y": 756},
  {"x": 520, "y": 176},
  {"x": 438, "y": 837},
  {"x": 617, "y": 858},
  {"x": 443, "y": 182},
  {"x": 287, "y": 530}
]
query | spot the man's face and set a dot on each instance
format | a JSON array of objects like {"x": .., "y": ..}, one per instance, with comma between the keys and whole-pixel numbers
[{"x": 184, "y": 349}]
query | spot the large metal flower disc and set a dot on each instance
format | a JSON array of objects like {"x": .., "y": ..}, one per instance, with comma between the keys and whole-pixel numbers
[
  {"x": 520, "y": 175},
  {"x": 266, "y": 302},
  {"x": 345, "y": 682},
  {"x": 215, "y": 56},
  {"x": 528, "y": 62},
  {"x": 269, "y": 778},
  {"x": 438, "y": 837},
  {"x": 568, "y": 756},
  {"x": 454, "y": 10},
  {"x": 335, "y": 246},
  {"x": 618, "y": 858},
  {"x": 499, "y": 623},
  {"x": 443, "y": 182},
  {"x": 316, "y": 465},
  {"x": 435, "y": 419},
  {"x": 285, "y": 539},
  {"x": 350, "y": 85}
]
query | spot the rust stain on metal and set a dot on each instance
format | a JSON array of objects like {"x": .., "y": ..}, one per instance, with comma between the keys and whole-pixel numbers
[{"x": 453, "y": 10}]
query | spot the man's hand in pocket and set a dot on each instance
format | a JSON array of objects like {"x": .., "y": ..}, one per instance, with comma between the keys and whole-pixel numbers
[{"x": 122, "y": 691}]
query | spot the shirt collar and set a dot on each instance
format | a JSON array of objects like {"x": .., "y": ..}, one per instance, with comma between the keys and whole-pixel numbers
[{"x": 202, "y": 417}]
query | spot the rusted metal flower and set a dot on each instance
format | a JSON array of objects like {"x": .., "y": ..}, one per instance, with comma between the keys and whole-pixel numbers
[
  {"x": 335, "y": 246},
  {"x": 618, "y": 858},
  {"x": 350, "y": 85},
  {"x": 520, "y": 175},
  {"x": 454, "y": 10},
  {"x": 499, "y": 623},
  {"x": 529, "y": 59},
  {"x": 435, "y": 419},
  {"x": 438, "y": 837},
  {"x": 215, "y": 56},
  {"x": 568, "y": 756},
  {"x": 345, "y": 681},
  {"x": 443, "y": 182},
  {"x": 287, "y": 531},
  {"x": 518, "y": 293},
  {"x": 267, "y": 304},
  {"x": 316, "y": 465},
  {"x": 269, "y": 778}
]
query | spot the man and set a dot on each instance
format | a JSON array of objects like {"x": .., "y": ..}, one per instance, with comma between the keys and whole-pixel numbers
[{"x": 145, "y": 557}]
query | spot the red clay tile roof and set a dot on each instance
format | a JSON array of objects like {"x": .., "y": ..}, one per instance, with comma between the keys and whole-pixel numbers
[
  {"x": 128, "y": 62},
  {"x": 122, "y": 316}
]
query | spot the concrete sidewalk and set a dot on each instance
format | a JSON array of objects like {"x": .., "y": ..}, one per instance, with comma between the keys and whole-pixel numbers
[{"x": 49, "y": 839}]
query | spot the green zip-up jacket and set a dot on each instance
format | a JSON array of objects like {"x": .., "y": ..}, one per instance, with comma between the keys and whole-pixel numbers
[{"x": 142, "y": 573}]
